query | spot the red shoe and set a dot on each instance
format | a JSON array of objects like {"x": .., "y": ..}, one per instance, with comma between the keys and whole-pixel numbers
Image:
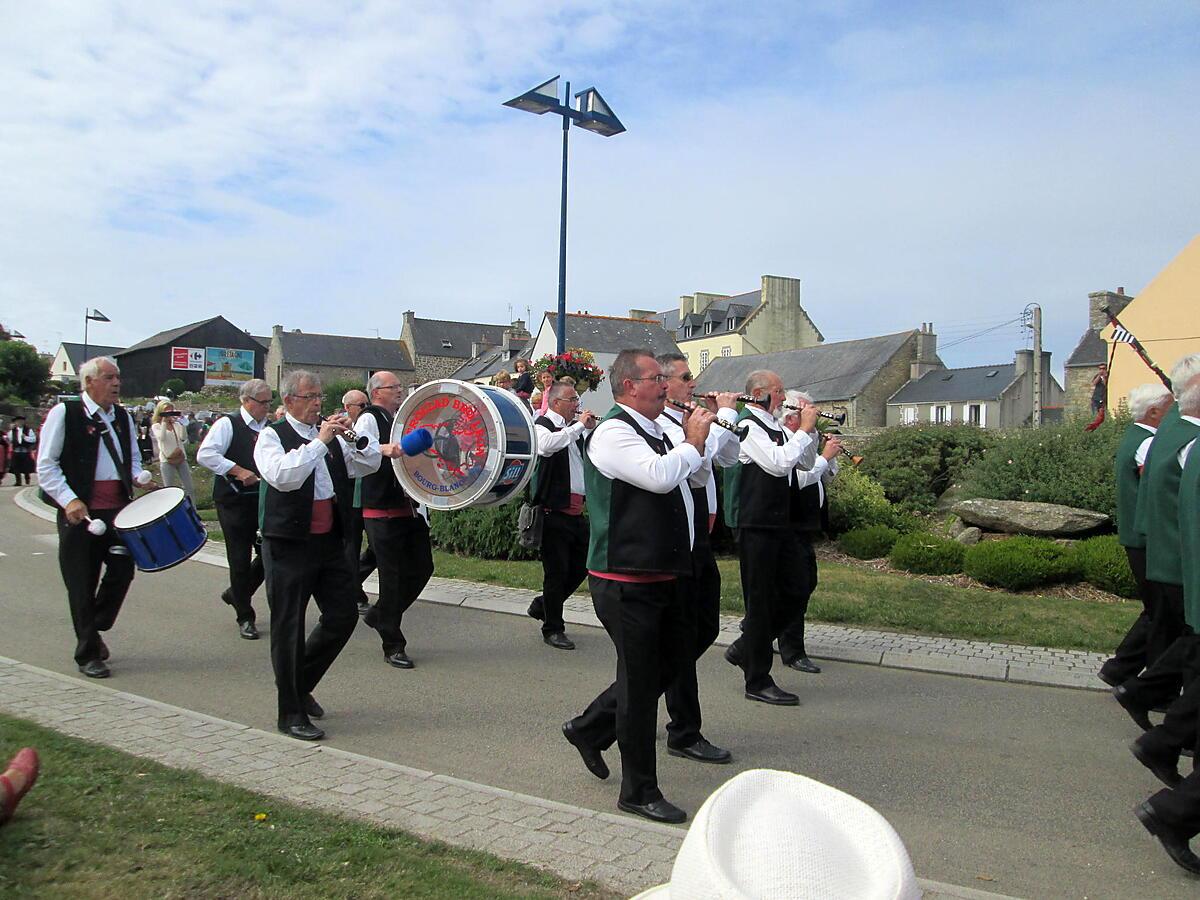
[{"x": 16, "y": 781}]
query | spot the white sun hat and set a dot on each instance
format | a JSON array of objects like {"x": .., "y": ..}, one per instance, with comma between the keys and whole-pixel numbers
[{"x": 768, "y": 835}]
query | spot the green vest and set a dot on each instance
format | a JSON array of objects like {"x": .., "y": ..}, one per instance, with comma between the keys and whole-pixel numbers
[
  {"x": 1158, "y": 501},
  {"x": 1128, "y": 478},
  {"x": 1189, "y": 536},
  {"x": 733, "y": 483}
]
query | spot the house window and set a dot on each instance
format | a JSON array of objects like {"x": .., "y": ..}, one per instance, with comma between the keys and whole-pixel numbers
[
  {"x": 910, "y": 415},
  {"x": 727, "y": 351},
  {"x": 64, "y": 365},
  {"x": 447, "y": 345},
  {"x": 974, "y": 414},
  {"x": 687, "y": 331},
  {"x": 703, "y": 359},
  {"x": 709, "y": 327},
  {"x": 941, "y": 415},
  {"x": 730, "y": 323}
]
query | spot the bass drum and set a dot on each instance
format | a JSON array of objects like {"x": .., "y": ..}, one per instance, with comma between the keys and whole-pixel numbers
[{"x": 483, "y": 449}]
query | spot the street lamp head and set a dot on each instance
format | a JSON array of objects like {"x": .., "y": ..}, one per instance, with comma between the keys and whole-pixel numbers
[
  {"x": 596, "y": 116},
  {"x": 541, "y": 99}
]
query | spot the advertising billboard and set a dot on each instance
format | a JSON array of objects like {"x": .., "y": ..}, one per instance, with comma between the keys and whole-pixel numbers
[
  {"x": 187, "y": 359},
  {"x": 227, "y": 367}
]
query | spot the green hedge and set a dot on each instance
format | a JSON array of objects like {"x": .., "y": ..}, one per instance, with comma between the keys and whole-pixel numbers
[
  {"x": 858, "y": 501},
  {"x": 488, "y": 532},
  {"x": 916, "y": 463},
  {"x": 872, "y": 542},
  {"x": 1102, "y": 562},
  {"x": 927, "y": 554},
  {"x": 1020, "y": 563}
]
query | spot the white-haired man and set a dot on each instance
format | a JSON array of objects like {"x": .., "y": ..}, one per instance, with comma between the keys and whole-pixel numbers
[
  {"x": 87, "y": 467},
  {"x": 228, "y": 452}
]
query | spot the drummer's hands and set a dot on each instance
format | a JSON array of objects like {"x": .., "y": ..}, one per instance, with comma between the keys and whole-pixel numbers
[
  {"x": 145, "y": 481},
  {"x": 245, "y": 476},
  {"x": 391, "y": 451},
  {"x": 76, "y": 512},
  {"x": 332, "y": 427}
]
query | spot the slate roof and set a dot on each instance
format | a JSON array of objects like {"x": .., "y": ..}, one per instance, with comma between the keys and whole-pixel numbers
[
  {"x": 718, "y": 313},
  {"x": 1090, "y": 351},
  {"x": 264, "y": 339},
  {"x": 75, "y": 352},
  {"x": 827, "y": 372},
  {"x": 957, "y": 385},
  {"x": 304, "y": 348},
  {"x": 168, "y": 337},
  {"x": 612, "y": 334},
  {"x": 487, "y": 364},
  {"x": 428, "y": 336}
]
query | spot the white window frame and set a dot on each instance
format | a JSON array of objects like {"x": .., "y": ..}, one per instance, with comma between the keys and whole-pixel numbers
[
  {"x": 910, "y": 415},
  {"x": 727, "y": 351},
  {"x": 710, "y": 327},
  {"x": 939, "y": 409},
  {"x": 703, "y": 359}
]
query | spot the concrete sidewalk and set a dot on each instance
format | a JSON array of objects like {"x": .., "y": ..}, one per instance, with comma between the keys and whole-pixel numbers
[{"x": 948, "y": 656}]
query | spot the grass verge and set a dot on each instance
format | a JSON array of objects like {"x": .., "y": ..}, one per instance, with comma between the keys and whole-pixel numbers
[{"x": 100, "y": 823}]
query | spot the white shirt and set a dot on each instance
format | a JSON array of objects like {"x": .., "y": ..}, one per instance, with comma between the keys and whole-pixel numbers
[
  {"x": 720, "y": 444},
  {"x": 1139, "y": 455},
  {"x": 551, "y": 442},
  {"x": 798, "y": 451},
  {"x": 620, "y": 453},
  {"x": 1183, "y": 454},
  {"x": 823, "y": 471},
  {"x": 49, "y": 471},
  {"x": 216, "y": 443},
  {"x": 288, "y": 471}
]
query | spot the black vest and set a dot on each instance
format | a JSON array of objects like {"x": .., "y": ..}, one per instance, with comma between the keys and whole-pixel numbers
[
  {"x": 240, "y": 453},
  {"x": 82, "y": 444},
  {"x": 288, "y": 514},
  {"x": 380, "y": 489},
  {"x": 805, "y": 507},
  {"x": 552, "y": 474},
  {"x": 764, "y": 500}
]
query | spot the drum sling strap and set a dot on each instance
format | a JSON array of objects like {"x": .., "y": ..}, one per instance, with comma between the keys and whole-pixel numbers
[{"x": 106, "y": 436}]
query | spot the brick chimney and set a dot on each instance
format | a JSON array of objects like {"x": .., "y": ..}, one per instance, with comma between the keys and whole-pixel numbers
[{"x": 1115, "y": 301}]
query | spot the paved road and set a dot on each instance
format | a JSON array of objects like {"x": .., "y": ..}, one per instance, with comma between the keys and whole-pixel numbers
[{"x": 1015, "y": 789}]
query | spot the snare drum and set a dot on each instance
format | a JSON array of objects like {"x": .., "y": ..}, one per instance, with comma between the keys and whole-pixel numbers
[
  {"x": 161, "y": 529},
  {"x": 483, "y": 448}
]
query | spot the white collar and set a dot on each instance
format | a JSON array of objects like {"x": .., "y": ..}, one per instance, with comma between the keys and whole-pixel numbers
[
  {"x": 1193, "y": 419},
  {"x": 250, "y": 420},
  {"x": 300, "y": 427},
  {"x": 92, "y": 407},
  {"x": 555, "y": 418},
  {"x": 765, "y": 417},
  {"x": 670, "y": 412},
  {"x": 1149, "y": 428},
  {"x": 649, "y": 424}
]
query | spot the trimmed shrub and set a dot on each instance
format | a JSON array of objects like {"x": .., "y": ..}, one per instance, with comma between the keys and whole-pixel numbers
[
  {"x": 1103, "y": 563},
  {"x": 858, "y": 501},
  {"x": 872, "y": 542},
  {"x": 916, "y": 463},
  {"x": 488, "y": 532},
  {"x": 927, "y": 554},
  {"x": 334, "y": 391},
  {"x": 1020, "y": 563},
  {"x": 1052, "y": 464}
]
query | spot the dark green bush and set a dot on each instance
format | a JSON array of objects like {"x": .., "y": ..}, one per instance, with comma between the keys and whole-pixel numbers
[
  {"x": 1103, "y": 563},
  {"x": 858, "y": 501},
  {"x": 1052, "y": 464},
  {"x": 488, "y": 532},
  {"x": 916, "y": 463},
  {"x": 333, "y": 392},
  {"x": 172, "y": 387},
  {"x": 927, "y": 554},
  {"x": 872, "y": 542},
  {"x": 1021, "y": 562}
]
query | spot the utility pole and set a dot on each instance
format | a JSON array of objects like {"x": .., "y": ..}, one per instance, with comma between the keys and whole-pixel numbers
[{"x": 1037, "y": 365}]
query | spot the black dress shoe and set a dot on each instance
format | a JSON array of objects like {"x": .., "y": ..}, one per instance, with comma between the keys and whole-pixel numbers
[
  {"x": 248, "y": 631},
  {"x": 732, "y": 656},
  {"x": 702, "y": 751},
  {"x": 591, "y": 756},
  {"x": 1163, "y": 768},
  {"x": 536, "y": 610},
  {"x": 774, "y": 695},
  {"x": 363, "y": 608},
  {"x": 95, "y": 668},
  {"x": 1137, "y": 713},
  {"x": 1172, "y": 841},
  {"x": 804, "y": 664},
  {"x": 1106, "y": 678},
  {"x": 312, "y": 708},
  {"x": 656, "y": 811},
  {"x": 559, "y": 641},
  {"x": 103, "y": 650},
  {"x": 399, "y": 659},
  {"x": 303, "y": 731}
]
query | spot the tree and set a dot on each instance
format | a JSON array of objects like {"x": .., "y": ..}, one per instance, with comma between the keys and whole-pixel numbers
[
  {"x": 173, "y": 387},
  {"x": 23, "y": 374}
]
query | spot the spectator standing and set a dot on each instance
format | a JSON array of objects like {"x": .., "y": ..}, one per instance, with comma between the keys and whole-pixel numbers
[
  {"x": 523, "y": 386},
  {"x": 22, "y": 449},
  {"x": 171, "y": 437}
]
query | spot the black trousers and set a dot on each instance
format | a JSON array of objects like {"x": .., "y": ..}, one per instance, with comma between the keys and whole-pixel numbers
[
  {"x": 774, "y": 589},
  {"x": 95, "y": 600},
  {"x": 1133, "y": 653},
  {"x": 1179, "y": 807},
  {"x": 791, "y": 639},
  {"x": 1180, "y": 728},
  {"x": 1161, "y": 682},
  {"x": 1168, "y": 621},
  {"x": 405, "y": 562},
  {"x": 701, "y": 610},
  {"x": 644, "y": 622},
  {"x": 352, "y": 527},
  {"x": 295, "y": 572},
  {"x": 564, "y": 565},
  {"x": 239, "y": 524}
]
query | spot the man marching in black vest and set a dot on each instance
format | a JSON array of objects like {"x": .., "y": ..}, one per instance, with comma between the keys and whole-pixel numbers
[
  {"x": 228, "y": 451},
  {"x": 558, "y": 487},
  {"x": 398, "y": 536},
  {"x": 306, "y": 491},
  {"x": 88, "y": 465},
  {"x": 758, "y": 506},
  {"x": 640, "y": 545}
]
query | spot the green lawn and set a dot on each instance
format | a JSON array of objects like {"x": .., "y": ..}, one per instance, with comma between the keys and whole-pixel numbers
[{"x": 101, "y": 824}]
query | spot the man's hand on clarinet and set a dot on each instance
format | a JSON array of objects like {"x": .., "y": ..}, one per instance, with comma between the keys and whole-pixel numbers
[
  {"x": 726, "y": 400},
  {"x": 808, "y": 418},
  {"x": 245, "y": 476},
  {"x": 332, "y": 427},
  {"x": 832, "y": 447},
  {"x": 588, "y": 418},
  {"x": 695, "y": 427}
]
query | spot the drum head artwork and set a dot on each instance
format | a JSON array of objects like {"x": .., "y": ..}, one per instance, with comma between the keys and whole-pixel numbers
[{"x": 483, "y": 445}]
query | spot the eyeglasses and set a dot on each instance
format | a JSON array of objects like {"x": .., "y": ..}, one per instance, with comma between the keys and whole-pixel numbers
[
  {"x": 356, "y": 405},
  {"x": 306, "y": 396},
  {"x": 264, "y": 402},
  {"x": 683, "y": 376},
  {"x": 657, "y": 379},
  {"x": 388, "y": 387},
  {"x": 566, "y": 400}
]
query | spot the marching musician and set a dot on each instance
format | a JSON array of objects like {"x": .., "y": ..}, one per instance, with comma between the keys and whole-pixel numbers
[
  {"x": 306, "y": 470},
  {"x": 758, "y": 508},
  {"x": 641, "y": 535},
  {"x": 702, "y": 589},
  {"x": 228, "y": 452},
  {"x": 558, "y": 487},
  {"x": 87, "y": 467},
  {"x": 397, "y": 534},
  {"x": 355, "y": 402}
]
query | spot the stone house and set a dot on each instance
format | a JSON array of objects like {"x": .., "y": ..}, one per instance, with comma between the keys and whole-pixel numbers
[
  {"x": 854, "y": 377},
  {"x": 481, "y": 368},
  {"x": 1091, "y": 351},
  {"x": 438, "y": 348},
  {"x": 711, "y": 326},
  {"x": 335, "y": 357}
]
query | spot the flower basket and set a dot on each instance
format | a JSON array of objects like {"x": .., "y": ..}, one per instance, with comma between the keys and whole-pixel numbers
[{"x": 578, "y": 364}]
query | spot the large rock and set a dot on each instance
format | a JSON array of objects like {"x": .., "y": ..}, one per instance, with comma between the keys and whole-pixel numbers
[
  {"x": 969, "y": 536},
  {"x": 1020, "y": 517}
]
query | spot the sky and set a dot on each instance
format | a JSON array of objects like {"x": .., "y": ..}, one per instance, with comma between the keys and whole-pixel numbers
[{"x": 329, "y": 165}]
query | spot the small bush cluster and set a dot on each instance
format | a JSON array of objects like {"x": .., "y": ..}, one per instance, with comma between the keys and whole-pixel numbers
[
  {"x": 1021, "y": 562},
  {"x": 872, "y": 542},
  {"x": 1102, "y": 562},
  {"x": 916, "y": 463},
  {"x": 858, "y": 501},
  {"x": 926, "y": 554},
  {"x": 488, "y": 532}
]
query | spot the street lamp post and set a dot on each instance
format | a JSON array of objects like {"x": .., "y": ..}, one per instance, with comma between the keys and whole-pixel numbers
[
  {"x": 590, "y": 112},
  {"x": 91, "y": 315}
]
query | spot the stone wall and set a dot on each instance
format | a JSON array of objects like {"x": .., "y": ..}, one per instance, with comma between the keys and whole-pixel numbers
[
  {"x": 870, "y": 407},
  {"x": 780, "y": 323},
  {"x": 430, "y": 368}
]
